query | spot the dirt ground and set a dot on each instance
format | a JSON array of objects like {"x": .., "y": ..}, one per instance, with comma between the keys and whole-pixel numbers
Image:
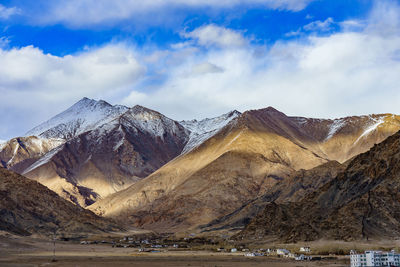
[{"x": 31, "y": 252}]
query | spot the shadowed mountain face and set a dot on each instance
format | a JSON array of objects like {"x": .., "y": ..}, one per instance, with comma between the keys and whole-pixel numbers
[
  {"x": 256, "y": 154},
  {"x": 361, "y": 202},
  {"x": 27, "y": 207}
]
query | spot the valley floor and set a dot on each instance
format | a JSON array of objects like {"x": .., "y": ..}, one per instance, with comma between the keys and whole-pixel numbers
[{"x": 32, "y": 252}]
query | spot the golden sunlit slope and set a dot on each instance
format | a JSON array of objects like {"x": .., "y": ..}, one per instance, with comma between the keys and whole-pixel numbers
[{"x": 243, "y": 161}]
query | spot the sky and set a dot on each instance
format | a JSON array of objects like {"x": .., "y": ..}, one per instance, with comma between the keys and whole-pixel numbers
[{"x": 198, "y": 58}]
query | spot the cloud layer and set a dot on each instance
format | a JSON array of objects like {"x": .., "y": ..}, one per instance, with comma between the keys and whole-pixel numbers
[{"x": 81, "y": 13}]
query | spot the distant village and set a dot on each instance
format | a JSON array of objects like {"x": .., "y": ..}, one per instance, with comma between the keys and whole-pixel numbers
[
  {"x": 159, "y": 245},
  {"x": 155, "y": 244}
]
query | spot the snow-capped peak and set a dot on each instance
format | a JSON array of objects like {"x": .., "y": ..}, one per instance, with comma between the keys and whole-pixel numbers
[
  {"x": 84, "y": 115},
  {"x": 152, "y": 122},
  {"x": 202, "y": 130}
]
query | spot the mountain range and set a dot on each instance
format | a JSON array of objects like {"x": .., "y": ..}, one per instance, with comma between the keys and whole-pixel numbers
[{"x": 138, "y": 166}]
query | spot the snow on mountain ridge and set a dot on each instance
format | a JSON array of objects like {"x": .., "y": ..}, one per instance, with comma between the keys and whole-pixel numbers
[
  {"x": 335, "y": 127},
  {"x": 207, "y": 125},
  {"x": 151, "y": 121},
  {"x": 84, "y": 115},
  {"x": 202, "y": 130},
  {"x": 371, "y": 127}
]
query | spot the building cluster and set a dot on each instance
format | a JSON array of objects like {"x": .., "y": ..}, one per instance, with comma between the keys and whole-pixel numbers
[
  {"x": 282, "y": 252},
  {"x": 374, "y": 258}
]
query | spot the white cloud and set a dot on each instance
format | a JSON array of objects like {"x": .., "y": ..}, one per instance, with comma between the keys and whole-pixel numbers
[
  {"x": 352, "y": 25},
  {"x": 205, "y": 68},
  {"x": 82, "y": 13},
  {"x": 43, "y": 84},
  {"x": 6, "y": 12},
  {"x": 318, "y": 25},
  {"x": 210, "y": 35}
]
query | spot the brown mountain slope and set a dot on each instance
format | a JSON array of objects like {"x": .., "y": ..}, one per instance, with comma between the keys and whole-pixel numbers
[
  {"x": 361, "y": 202},
  {"x": 111, "y": 157},
  {"x": 291, "y": 189},
  {"x": 27, "y": 207},
  {"x": 245, "y": 160}
]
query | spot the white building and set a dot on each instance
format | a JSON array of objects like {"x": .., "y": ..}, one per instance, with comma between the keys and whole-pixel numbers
[
  {"x": 374, "y": 258},
  {"x": 300, "y": 257},
  {"x": 282, "y": 251},
  {"x": 305, "y": 249}
]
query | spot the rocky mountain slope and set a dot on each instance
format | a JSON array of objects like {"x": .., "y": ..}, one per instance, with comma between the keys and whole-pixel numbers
[
  {"x": 361, "y": 202},
  {"x": 110, "y": 157},
  {"x": 291, "y": 189},
  {"x": 244, "y": 160},
  {"x": 27, "y": 207}
]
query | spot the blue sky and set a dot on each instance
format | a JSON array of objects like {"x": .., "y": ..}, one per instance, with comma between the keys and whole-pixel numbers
[
  {"x": 195, "y": 59},
  {"x": 261, "y": 24}
]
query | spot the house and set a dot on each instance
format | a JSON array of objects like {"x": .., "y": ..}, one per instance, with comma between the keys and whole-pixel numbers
[
  {"x": 250, "y": 254},
  {"x": 373, "y": 258},
  {"x": 291, "y": 255},
  {"x": 300, "y": 257},
  {"x": 305, "y": 249},
  {"x": 282, "y": 251}
]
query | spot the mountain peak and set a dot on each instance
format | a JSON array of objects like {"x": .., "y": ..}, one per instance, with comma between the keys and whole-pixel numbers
[
  {"x": 271, "y": 110},
  {"x": 139, "y": 108},
  {"x": 87, "y": 103},
  {"x": 80, "y": 117}
]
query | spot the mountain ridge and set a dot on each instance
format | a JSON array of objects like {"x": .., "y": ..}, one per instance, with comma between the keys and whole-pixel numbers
[{"x": 267, "y": 145}]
